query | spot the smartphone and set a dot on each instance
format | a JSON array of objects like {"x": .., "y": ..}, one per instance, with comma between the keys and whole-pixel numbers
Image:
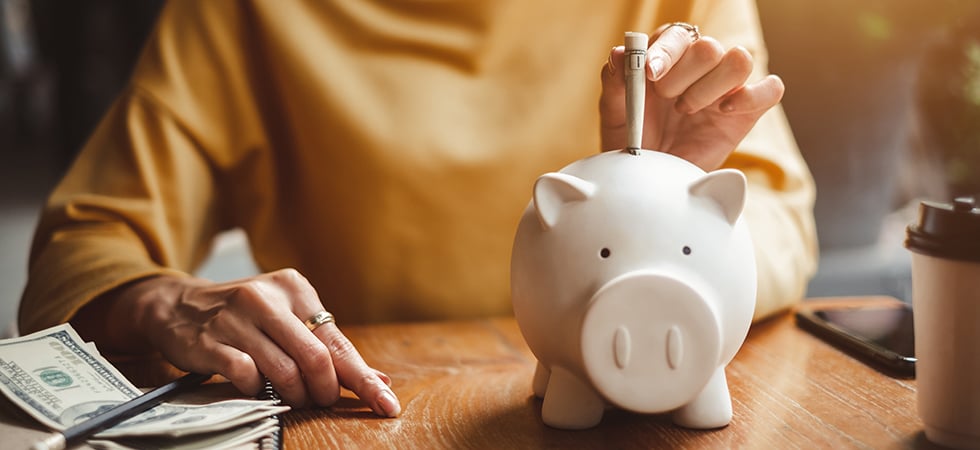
[{"x": 880, "y": 335}]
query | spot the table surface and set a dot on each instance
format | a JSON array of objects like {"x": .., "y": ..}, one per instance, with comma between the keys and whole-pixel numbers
[{"x": 468, "y": 385}]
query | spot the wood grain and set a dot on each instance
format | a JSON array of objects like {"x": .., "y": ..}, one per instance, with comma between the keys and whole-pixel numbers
[{"x": 468, "y": 385}]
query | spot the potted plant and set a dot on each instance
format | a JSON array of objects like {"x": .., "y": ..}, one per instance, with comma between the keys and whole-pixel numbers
[
  {"x": 850, "y": 70},
  {"x": 948, "y": 95}
]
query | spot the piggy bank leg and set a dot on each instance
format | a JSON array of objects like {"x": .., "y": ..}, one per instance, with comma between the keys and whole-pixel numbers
[
  {"x": 540, "y": 383},
  {"x": 712, "y": 408},
  {"x": 569, "y": 403}
]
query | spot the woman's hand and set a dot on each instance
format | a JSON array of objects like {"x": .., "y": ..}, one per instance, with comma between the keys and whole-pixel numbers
[
  {"x": 698, "y": 105},
  {"x": 248, "y": 329}
]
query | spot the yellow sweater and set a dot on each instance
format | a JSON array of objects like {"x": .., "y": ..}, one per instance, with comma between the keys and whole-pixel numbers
[{"x": 384, "y": 149}]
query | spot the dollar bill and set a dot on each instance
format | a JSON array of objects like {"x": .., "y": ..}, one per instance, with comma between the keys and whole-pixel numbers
[
  {"x": 61, "y": 381},
  {"x": 175, "y": 420},
  {"x": 52, "y": 373},
  {"x": 240, "y": 437}
]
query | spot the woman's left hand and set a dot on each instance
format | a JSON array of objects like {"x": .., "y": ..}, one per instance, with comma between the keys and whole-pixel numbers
[{"x": 698, "y": 104}]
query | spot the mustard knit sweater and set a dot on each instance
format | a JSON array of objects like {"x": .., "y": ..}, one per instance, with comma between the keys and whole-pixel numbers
[{"x": 384, "y": 149}]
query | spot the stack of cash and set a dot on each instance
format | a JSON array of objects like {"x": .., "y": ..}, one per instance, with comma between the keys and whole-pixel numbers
[{"x": 62, "y": 381}]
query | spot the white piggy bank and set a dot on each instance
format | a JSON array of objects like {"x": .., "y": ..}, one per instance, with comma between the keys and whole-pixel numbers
[{"x": 634, "y": 283}]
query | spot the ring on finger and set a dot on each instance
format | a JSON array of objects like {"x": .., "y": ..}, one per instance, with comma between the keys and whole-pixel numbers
[
  {"x": 319, "y": 319},
  {"x": 692, "y": 30}
]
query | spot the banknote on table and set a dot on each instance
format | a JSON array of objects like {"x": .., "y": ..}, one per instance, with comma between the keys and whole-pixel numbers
[
  {"x": 60, "y": 380},
  {"x": 55, "y": 377},
  {"x": 170, "y": 419},
  {"x": 241, "y": 437}
]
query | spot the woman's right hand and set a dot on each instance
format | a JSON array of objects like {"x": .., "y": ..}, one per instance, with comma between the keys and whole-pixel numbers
[
  {"x": 242, "y": 330},
  {"x": 699, "y": 101}
]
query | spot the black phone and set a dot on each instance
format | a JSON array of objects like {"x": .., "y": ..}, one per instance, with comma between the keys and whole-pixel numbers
[{"x": 880, "y": 335}]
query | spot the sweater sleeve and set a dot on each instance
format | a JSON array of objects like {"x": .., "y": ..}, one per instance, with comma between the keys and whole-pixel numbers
[
  {"x": 137, "y": 202},
  {"x": 779, "y": 204},
  {"x": 171, "y": 164},
  {"x": 779, "y": 212}
]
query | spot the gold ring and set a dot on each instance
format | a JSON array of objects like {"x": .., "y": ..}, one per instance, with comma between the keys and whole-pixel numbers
[
  {"x": 691, "y": 29},
  {"x": 318, "y": 319}
]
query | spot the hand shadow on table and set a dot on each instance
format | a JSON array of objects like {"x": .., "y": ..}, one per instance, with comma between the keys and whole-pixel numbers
[
  {"x": 352, "y": 408},
  {"x": 347, "y": 407}
]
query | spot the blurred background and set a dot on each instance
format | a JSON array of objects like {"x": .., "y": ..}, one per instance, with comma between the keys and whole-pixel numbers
[{"x": 883, "y": 97}]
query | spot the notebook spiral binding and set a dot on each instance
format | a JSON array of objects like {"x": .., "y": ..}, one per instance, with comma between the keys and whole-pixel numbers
[{"x": 274, "y": 440}]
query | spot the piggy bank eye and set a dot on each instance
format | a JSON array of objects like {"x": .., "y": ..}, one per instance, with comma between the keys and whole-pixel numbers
[
  {"x": 686, "y": 250},
  {"x": 604, "y": 253}
]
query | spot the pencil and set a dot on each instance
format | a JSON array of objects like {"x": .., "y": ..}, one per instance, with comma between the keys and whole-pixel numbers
[{"x": 78, "y": 433}]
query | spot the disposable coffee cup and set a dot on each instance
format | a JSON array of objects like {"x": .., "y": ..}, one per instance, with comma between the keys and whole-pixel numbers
[{"x": 945, "y": 246}]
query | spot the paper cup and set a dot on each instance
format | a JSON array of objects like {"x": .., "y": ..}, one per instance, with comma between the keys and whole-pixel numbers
[{"x": 945, "y": 246}]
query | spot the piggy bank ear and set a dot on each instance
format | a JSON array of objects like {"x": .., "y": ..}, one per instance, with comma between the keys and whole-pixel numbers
[
  {"x": 725, "y": 187},
  {"x": 553, "y": 191}
]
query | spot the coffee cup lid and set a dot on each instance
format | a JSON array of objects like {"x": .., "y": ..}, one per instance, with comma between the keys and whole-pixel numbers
[{"x": 947, "y": 230}]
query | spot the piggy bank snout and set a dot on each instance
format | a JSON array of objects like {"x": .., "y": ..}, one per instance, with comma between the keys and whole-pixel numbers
[{"x": 650, "y": 342}]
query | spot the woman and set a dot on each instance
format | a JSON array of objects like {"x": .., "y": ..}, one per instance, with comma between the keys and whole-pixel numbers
[{"x": 383, "y": 153}]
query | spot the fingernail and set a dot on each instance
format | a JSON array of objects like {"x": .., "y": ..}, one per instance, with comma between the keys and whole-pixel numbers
[
  {"x": 612, "y": 65},
  {"x": 389, "y": 404},
  {"x": 656, "y": 67}
]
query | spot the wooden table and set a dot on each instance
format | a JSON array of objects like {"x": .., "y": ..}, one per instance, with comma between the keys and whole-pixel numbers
[{"x": 468, "y": 385}]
